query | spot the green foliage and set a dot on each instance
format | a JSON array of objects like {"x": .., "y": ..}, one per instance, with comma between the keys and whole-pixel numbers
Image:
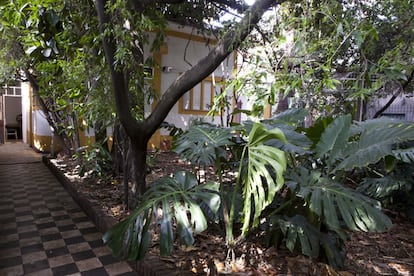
[
  {"x": 333, "y": 202},
  {"x": 261, "y": 174},
  {"x": 345, "y": 146},
  {"x": 171, "y": 203},
  {"x": 182, "y": 199},
  {"x": 95, "y": 161},
  {"x": 53, "y": 45},
  {"x": 203, "y": 144},
  {"x": 383, "y": 188},
  {"x": 326, "y": 55},
  {"x": 309, "y": 212},
  {"x": 318, "y": 205},
  {"x": 301, "y": 235}
]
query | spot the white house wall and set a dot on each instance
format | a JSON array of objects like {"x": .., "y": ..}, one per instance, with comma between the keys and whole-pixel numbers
[
  {"x": 25, "y": 110},
  {"x": 182, "y": 55},
  {"x": 40, "y": 125}
]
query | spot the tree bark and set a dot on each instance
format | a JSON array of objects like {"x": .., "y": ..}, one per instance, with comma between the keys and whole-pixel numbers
[{"x": 138, "y": 160}]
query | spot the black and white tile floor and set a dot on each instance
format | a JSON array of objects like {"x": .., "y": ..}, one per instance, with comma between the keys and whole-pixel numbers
[{"x": 42, "y": 230}]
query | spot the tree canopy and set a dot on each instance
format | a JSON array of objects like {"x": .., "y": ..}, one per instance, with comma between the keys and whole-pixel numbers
[
  {"x": 331, "y": 53},
  {"x": 69, "y": 50},
  {"x": 85, "y": 61}
]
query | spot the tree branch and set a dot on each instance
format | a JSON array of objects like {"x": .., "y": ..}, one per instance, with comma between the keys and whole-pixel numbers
[
  {"x": 392, "y": 99},
  {"x": 208, "y": 64},
  {"x": 121, "y": 92},
  {"x": 232, "y": 4}
]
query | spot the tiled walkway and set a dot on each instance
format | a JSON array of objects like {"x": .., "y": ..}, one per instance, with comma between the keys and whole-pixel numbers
[{"x": 42, "y": 230}]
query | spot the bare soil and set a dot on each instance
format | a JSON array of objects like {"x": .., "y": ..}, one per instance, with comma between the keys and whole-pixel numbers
[{"x": 390, "y": 253}]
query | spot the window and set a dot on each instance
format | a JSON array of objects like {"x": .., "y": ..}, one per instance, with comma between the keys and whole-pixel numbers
[
  {"x": 11, "y": 91},
  {"x": 200, "y": 99}
]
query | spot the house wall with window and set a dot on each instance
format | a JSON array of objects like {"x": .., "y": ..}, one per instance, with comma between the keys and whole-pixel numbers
[{"x": 182, "y": 49}]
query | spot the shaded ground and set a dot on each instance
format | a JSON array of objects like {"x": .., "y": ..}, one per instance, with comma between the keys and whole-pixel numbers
[{"x": 390, "y": 253}]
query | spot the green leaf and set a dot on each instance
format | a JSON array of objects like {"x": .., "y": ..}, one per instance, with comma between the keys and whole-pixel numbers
[
  {"x": 263, "y": 175},
  {"x": 380, "y": 188},
  {"x": 299, "y": 234},
  {"x": 314, "y": 132},
  {"x": 168, "y": 198},
  {"x": 334, "y": 138},
  {"x": 376, "y": 141},
  {"x": 333, "y": 203},
  {"x": 203, "y": 144},
  {"x": 130, "y": 238},
  {"x": 293, "y": 116},
  {"x": 166, "y": 229},
  {"x": 405, "y": 155}
]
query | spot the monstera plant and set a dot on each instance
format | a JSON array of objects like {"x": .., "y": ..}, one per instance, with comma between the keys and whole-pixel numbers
[
  {"x": 295, "y": 185},
  {"x": 182, "y": 204},
  {"x": 172, "y": 202},
  {"x": 319, "y": 204}
]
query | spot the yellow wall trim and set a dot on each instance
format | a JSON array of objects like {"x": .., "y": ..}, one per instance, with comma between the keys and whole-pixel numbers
[
  {"x": 192, "y": 37},
  {"x": 43, "y": 143}
]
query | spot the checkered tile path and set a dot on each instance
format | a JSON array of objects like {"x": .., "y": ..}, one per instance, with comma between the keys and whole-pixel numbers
[{"x": 43, "y": 231}]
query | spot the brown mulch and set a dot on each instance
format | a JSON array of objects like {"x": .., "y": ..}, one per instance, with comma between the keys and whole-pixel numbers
[{"x": 390, "y": 253}]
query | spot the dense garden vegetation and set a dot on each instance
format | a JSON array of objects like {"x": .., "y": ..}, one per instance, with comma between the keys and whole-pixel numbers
[{"x": 299, "y": 184}]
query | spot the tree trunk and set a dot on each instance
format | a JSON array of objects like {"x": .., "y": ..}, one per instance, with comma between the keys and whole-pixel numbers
[
  {"x": 138, "y": 169},
  {"x": 140, "y": 131}
]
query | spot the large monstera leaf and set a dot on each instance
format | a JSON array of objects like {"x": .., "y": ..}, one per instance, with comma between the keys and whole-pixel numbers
[
  {"x": 171, "y": 203},
  {"x": 333, "y": 202},
  {"x": 376, "y": 140},
  {"x": 346, "y": 146},
  {"x": 261, "y": 173},
  {"x": 203, "y": 144},
  {"x": 334, "y": 139}
]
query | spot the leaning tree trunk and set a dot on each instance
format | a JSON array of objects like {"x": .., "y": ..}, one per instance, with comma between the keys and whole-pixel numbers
[{"x": 140, "y": 131}]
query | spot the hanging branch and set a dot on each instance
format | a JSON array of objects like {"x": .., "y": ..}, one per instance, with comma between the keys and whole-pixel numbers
[{"x": 394, "y": 96}]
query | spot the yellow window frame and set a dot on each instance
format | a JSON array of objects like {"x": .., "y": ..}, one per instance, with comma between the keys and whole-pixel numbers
[{"x": 214, "y": 83}]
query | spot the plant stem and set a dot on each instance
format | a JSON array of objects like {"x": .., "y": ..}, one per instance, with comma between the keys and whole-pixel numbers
[
  {"x": 230, "y": 238},
  {"x": 281, "y": 207}
]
